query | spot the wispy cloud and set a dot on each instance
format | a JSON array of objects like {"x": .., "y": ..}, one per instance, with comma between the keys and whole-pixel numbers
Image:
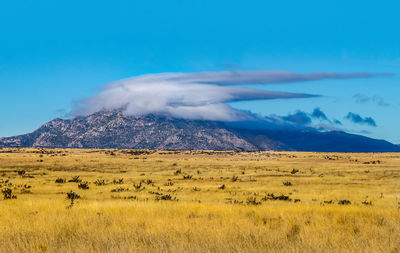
[
  {"x": 337, "y": 122},
  {"x": 356, "y": 118},
  {"x": 362, "y": 99},
  {"x": 266, "y": 77},
  {"x": 202, "y": 95}
]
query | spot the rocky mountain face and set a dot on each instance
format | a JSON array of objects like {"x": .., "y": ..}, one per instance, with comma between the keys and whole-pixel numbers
[{"x": 116, "y": 130}]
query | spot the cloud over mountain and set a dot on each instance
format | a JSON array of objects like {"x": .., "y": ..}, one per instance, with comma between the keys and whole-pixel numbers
[
  {"x": 356, "y": 118},
  {"x": 318, "y": 114},
  {"x": 202, "y": 95}
]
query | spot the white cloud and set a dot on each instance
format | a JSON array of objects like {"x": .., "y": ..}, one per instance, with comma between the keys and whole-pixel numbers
[{"x": 195, "y": 95}]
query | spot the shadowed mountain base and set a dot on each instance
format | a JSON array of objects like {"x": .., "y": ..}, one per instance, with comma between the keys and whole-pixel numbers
[{"x": 116, "y": 130}]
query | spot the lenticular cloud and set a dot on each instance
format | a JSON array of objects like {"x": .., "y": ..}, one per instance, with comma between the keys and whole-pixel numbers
[{"x": 196, "y": 95}]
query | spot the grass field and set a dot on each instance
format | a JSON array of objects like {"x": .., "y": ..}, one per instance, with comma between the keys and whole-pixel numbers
[{"x": 198, "y": 201}]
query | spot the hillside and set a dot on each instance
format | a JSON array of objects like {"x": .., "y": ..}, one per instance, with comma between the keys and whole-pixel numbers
[{"x": 113, "y": 129}]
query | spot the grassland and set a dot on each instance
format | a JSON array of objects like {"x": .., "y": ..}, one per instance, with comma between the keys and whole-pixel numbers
[{"x": 198, "y": 201}]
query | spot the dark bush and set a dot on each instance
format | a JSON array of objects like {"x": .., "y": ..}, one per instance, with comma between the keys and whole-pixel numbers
[
  {"x": 253, "y": 201},
  {"x": 21, "y": 172},
  {"x": 60, "y": 180},
  {"x": 75, "y": 179},
  {"x": 84, "y": 186},
  {"x": 120, "y": 189},
  {"x": 186, "y": 177},
  {"x": 118, "y": 181},
  {"x": 165, "y": 197},
  {"x": 169, "y": 184},
  {"x": 287, "y": 183},
  {"x": 7, "y": 194},
  {"x": 73, "y": 195},
  {"x": 344, "y": 202},
  {"x": 138, "y": 186},
  {"x": 99, "y": 182},
  {"x": 367, "y": 203},
  {"x": 279, "y": 197},
  {"x": 196, "y": 189}
]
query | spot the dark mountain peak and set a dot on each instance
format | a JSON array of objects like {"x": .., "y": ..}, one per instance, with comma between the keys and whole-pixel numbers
[{"x": 114, "y": 129}]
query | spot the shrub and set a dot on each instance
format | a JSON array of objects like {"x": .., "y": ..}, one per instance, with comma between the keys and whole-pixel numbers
[
  {"x": 118, "y": 181},
  {"x": 75, "y": 179},
  {"x": 287, "y": 183},
  {"x": 120, "y": 189},
  {"x": 7, "y": 194},
  {"x": 367, "y": 203},
  {"x": 99, "y": 182},
  {"x": 138, "y": 186},
  {"x": 21, "y": 172},
  {"x": 60, "y": 180},
  {"x": 253, "y": 201},
  {"x": 84, "y": 186},
  {"x": 73, "y": 195},
  {"x": 279, "y": 197},
  {"x": 169, "y": 184},
  {"x": 344, "y": 202},
  {"x": 165, "y": 197},
  {"x": 186, "y": 177},
  {"x": 25, "y": 191}
]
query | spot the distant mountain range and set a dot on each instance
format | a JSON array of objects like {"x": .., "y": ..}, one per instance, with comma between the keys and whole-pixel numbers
[{"x": 113, "y": 129}]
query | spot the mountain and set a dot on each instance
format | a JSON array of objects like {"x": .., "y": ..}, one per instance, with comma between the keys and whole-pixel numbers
[{"x": 113, "y": 129}]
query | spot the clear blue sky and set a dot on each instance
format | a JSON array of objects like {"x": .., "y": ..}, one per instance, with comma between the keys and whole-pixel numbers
[{"x": 55, "y": 52}]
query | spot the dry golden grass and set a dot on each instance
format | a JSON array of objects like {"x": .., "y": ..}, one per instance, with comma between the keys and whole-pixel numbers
[{"x": 194, "y": 201}]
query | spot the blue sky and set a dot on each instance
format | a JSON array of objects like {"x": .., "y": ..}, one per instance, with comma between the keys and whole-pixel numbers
[{"x": 53, "y": 53}]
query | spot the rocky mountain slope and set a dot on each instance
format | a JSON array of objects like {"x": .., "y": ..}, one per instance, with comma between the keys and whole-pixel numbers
[{"x": 116, "y": 130}]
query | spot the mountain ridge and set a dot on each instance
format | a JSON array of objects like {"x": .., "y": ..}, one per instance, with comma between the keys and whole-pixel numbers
[{"x": 113, "y": 129}]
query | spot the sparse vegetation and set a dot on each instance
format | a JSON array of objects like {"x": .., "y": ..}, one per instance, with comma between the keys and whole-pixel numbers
[{"x": 140, "y": 201}]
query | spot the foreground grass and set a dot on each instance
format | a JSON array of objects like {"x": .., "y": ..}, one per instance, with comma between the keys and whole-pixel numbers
[{"x": 200, "y": 216}]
